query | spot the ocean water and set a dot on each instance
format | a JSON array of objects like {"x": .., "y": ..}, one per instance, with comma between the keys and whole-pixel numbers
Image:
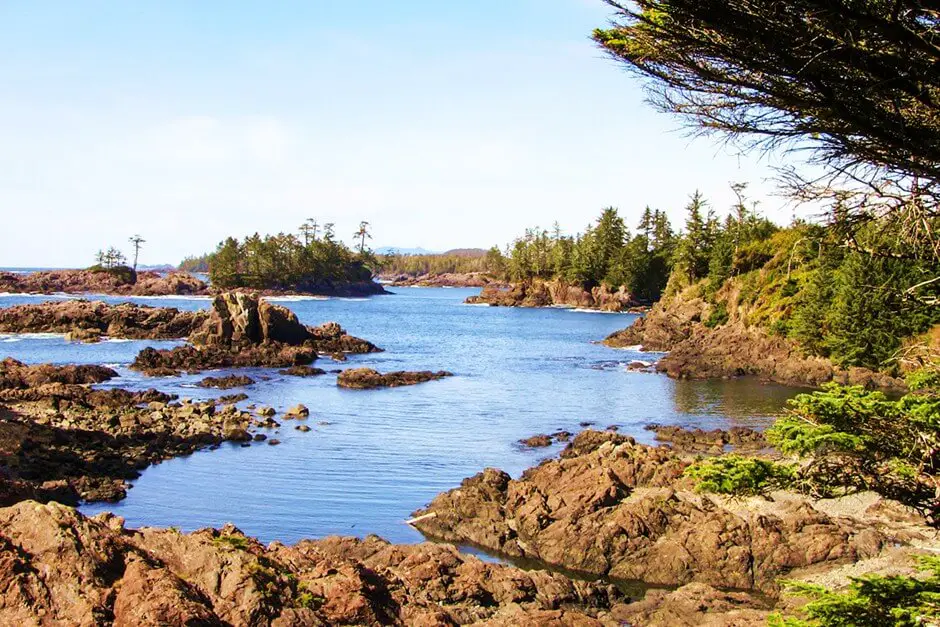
[{"x": 374, "y": 456}]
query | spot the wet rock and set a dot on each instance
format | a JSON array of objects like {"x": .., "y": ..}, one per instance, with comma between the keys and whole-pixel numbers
[
  {"x": 716, "y": 440},
  {"x": 537, "y": 441},
  {"x": 227, "y": 382},
  {"x": 265, "y": 411},
  {"x": 274, "y": 442},
  {"x": 299, "y": 411},
  {"x": 302, "y": 428},
  {"x": 233, "y": 398},
  {"x": 61, "y": 567},
  {"x": 612, "y": 507},
  {"x": 19, "y": 381},
  {"x": 302, "y": 371},
  {"x": 260, "y": 437},
  {"x": 367, "y": 378}
]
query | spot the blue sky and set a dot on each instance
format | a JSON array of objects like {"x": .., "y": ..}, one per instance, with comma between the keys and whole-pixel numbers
[{"x": 446, "y": 124}]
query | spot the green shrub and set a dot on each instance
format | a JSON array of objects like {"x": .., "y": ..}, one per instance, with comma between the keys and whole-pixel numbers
[
  {"x": 871, "y": 601},
  {"x": 718, "y": 316},
  {"x": 859, "y": 439},
  {"x": 235, "y": 542},
  {"x": 739, "y": 476}
]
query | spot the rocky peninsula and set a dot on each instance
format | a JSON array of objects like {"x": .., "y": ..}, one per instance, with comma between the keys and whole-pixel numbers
[
  {"x": 124, "y": 281},
  {"x": 103, "y": 281},
  {"x": 613, "y": 508},
  {"x": 555, "y": 293}
]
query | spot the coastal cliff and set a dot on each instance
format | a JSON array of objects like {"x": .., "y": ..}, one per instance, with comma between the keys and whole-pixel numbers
[{"x": 683, "y": 325}]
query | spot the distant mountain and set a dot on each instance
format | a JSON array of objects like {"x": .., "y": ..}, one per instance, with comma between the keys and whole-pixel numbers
[
  {"x": 387, "y": 250},
  {"x": 466, "y": 252}
]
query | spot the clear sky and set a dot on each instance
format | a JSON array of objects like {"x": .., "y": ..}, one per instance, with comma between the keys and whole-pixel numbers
[{"x": 444, "y": 124}]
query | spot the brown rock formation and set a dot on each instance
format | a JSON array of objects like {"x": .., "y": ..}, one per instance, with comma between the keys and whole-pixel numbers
[
  {"x": 102, "y": 282},
  {"x": 447, "y": 279},
  {"x": 227, "y": 382},
  {"x": 714, "y": 441},
  {"x": 367, "y": 378},
  {"x": 555, "y": 293},
  {"x": 59, "y": 567},
  {"x": 84, "y": 319},
  {"x": 612, "y": 507},
  {"x": 731, "y": 350},
  {"x": 243, "y": 331}
]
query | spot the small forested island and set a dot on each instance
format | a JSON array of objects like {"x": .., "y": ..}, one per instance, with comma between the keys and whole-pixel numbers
[{"x": 284, "y": 262}]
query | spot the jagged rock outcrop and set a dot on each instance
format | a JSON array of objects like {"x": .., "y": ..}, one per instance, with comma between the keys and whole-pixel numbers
[
  {"x": 244, "y": 331},
  {"x": 367, "y": 378},
  {"x": 59, "y": 567},
  {"x": 612, "y": 507},
  {"x": 85, "y": 320},
  {"x": 555, "y": 293},
  {"x": 125, "y": 282}
]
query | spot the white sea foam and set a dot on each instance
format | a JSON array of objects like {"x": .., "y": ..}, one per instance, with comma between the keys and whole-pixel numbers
[
  {"x": 635, "y": 348},
  {"x": 354, "y": 299},
  {"x": 168, "y": 297},
  {"x": 15, "y": 337},
  {"x": 290, "y": 298},
  {"x": 596, "y": 311}
]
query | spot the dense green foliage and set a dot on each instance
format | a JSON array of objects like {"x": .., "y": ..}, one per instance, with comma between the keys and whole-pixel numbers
[
  {"x": 605, "y": 253},
  {"x": 853, "y": 306},
  {"x": 198, "y": 263},
  {"x": 872, "y": 601},
  {"x": 844, "y": 439},
  {"x": 739, "y": 476},
  {"x": 285, "y": 262},
  {"x": 858, "y": 439},
  {"x": 445, "y": 263}
]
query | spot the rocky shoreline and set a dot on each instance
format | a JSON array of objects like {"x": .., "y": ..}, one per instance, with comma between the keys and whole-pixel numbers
[
  {"x": 447, "y": 279},
  {"x": 697, "y": 351},
  {"x": 90, "y": 320},
  {"x": 148, "y": 283},
  {"x": 606, "y": 510},
  {"x": 555, "y": 293},
  {"x": 610, "y": 507}
]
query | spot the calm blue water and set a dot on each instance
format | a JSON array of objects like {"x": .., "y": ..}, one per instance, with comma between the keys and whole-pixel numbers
[{"x": 375, "y": 456}]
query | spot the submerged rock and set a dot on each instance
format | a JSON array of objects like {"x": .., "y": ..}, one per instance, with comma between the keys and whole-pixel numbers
[
  {"x": 302, "y": 371},
  {"x": 367, "y": 378},
  {"x": 227, "y": 382}
]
